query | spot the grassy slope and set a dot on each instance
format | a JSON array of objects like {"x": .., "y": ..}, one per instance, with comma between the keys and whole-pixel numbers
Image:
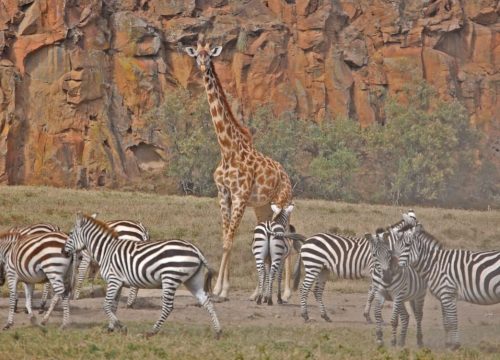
[{"x": 198, "y": 220}]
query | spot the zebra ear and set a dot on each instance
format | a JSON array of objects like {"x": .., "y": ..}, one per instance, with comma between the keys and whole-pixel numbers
[
  {"x": 289, "y": 208},
  {"x": 79, "y": 217},
  {"x": 275, "y": 208},
  {"x": 94, "y": 215}
]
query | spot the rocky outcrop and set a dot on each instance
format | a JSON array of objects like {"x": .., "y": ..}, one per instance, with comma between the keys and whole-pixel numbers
[{"x": 77, "y": 79}]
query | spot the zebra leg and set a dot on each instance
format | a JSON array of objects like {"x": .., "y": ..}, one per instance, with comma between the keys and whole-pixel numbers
[
  {"x": 268, "y": 296},
  {"x": 132, "y": 296},
  {"x": 396, "y": 310},
  {"x": 262, "y": 274},
  {"x": 418, "y": 310},
  {"x": 112, "y": 291},
  {"x": 311, "y": 273},
  {"x": 57, "y": 283},
  {"x": 82, "y": 271},
  {"x": 280, "y": 278},
  {"x": 169, "y": 286},
  {"x": 196, "y": 286},
  {"x": 28, "y": 290},
  {"x": 379, "y": 300},
  {"x": 450, "y": 320},
  {"x": 369, "y": 300},
  {"x": 12, "y": 284},
  {"x": 116, "y": 301},
  {"x": 45, "y": 295},
  {"x": 405, "y": 319},
  {"x": 318, "y": 294}
]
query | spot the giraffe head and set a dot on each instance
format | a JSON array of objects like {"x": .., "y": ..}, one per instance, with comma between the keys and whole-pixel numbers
[{"x": 203, "y": 54}]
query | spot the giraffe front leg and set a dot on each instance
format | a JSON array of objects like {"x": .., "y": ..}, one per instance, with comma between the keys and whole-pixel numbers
[
  {"x": 237, "y": 210},
  {"x": 288, "y": 275},
  {"x": 225, "y": 209}
]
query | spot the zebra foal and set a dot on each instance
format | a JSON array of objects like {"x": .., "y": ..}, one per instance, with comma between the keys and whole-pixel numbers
[
  {"x": 270, "y": 246},
  {"x": 164, "y": 264},
  {"x": 401, "y": 284},
  {"x": 452, "y": 274},
  {"x": 36, "y": 259}
]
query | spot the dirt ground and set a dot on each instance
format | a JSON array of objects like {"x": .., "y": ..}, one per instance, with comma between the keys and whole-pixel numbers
[{"x": 476, "y": 323}]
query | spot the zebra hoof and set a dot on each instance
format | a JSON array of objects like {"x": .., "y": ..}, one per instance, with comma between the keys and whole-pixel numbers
[
  {"x": 327, "y": 319},
  {"x": 305, "y": 317},
  {"x": 218, "y": 334},
  {"x": 453, "y": 346},
  {"x": 131, "y": 306},
  {"x": 7, "y": 326},
  {"x": 380, "y": 343},
  {"x": 150, "y": 333},
  {"x": 280, "y": 301},
  {"x": 368, "y": 318},
  {"x": 270, "y": 302},
  {"x": 259, "y": 300}
]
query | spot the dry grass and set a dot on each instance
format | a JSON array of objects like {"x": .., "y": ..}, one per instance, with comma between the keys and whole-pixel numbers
[{"x": 198, "y": 220}]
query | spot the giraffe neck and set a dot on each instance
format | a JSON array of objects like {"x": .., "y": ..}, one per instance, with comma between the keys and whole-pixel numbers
[{"x": 231, "y": 134}]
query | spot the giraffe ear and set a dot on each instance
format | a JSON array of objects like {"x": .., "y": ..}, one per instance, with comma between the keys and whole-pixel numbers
[
  {"x": 216, "y": 51},
  {"x": 275, "y": 208},
  {"x": 191, "y": 51}
]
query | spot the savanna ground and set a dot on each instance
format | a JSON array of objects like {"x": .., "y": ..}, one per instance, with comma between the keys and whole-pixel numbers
[{"x": 249, "y": 331}]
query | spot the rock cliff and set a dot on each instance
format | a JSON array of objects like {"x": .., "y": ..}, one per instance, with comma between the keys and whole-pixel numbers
[{"x": 78, "y": 77}]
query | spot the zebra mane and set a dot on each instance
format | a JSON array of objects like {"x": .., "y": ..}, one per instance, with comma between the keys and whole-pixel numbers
[
  {"x": 101, "y": 224},
  {"x": 427, "y": 239}
]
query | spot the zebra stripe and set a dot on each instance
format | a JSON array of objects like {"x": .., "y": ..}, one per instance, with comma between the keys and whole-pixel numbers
[
  {"x": 164, "y": 264},
  {"x": 402, "y": 284},
  {"x": 126, "y": 230},
  {"x": 453, "y": 274},
  {"x": 270, "y": 246},
  {"x": 36, "y": 259}
]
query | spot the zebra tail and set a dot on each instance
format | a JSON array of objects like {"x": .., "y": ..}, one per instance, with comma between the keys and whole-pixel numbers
[
  {"x": 71, "y": 275},
  {"x": 207, "y": 285},
  {"x": 295, "y": 237},
  {"x": 296, "y": 272}
]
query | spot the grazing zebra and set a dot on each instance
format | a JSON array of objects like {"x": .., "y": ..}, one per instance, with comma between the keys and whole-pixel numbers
[
  {"x": 270, "y": 245},
  {"x": 453, "y": 274},
  {"x": 126, "y": 230},
  {"x": 348, "y": 257},
  {"x": 394, "y": 235},
  {"x": 35, "y": 259},
  {"x": 39, "y": 228},
  {"x": 401, "y": 284},
  {"x": 164, "y": 264}
]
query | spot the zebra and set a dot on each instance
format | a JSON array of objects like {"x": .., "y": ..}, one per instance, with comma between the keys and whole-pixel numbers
[
  {"x": 34, "y": 259},
  {"x": 126, "y": 230},
  {"x": 402, "y": 284},
  {"x": 452, "y": 274},
  {"x": 393, "y": 234},
  {"x": 164, "y": 264},
  {"x": 39, "y": 228},
  {"x": 346, "y": 256},
  {"x": 270, "y": 245}
]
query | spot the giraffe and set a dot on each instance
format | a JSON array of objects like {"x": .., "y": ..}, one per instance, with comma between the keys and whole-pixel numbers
[{"x": 244, "y": 176}]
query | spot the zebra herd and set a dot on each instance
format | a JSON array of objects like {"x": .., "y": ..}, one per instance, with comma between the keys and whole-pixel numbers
[{"x": 403, "y": 261}]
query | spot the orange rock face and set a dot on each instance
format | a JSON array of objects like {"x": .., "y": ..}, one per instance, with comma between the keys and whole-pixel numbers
[{"x": 78, "y": 78}]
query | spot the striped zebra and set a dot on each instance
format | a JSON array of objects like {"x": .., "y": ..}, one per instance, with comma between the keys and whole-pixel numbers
[
  {"x": 36, "y": 259},
  {"x": 270, "y": 246},
  {"x": 126, "y": 230},
  {"x": 39, "y": 228},
  {"x": 346, "y": 256},
  {"x": 453, "y": 274},
  {"x": 394, "y": 236},
  {"x": 401, "y": 284},
  {"x": 164, "y": 264}
]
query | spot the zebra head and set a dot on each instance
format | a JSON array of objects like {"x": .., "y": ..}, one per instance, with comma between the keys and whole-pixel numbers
[
  {"x": 203, "y": 54},
  {"x": 282, "y": 215},
  {"x": 410, "y": 246},
  {"x": 75, "y": 241},
  {"x": 384, "y": 261}
]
